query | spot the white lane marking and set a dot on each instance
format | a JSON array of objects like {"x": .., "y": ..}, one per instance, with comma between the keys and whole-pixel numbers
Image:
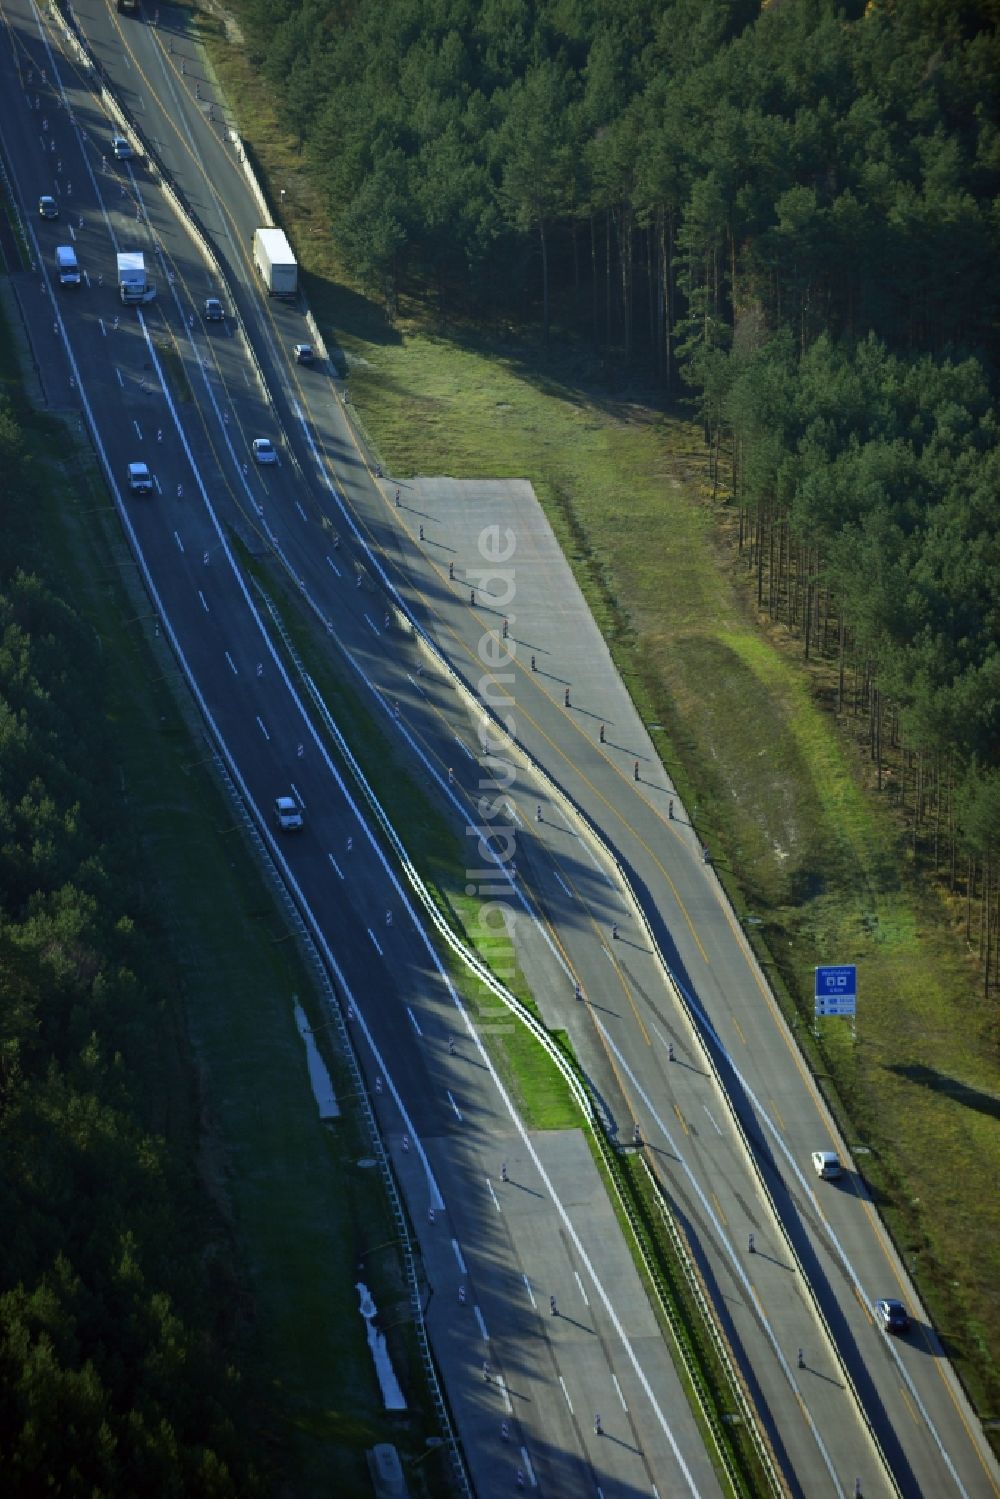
[
  {"x": 414, "y": 683},
  {"x": 413, "y": 1021},
  {"x": 711, "y": 1116},
  {"x": 375, "y": 942},
  {"x": 121, "y": 382},
  {"x": 526, "y": 1460},
  {"x": 159, "y": 486},
  {"x": 260, "y": 723},
  {"x": 513, "y": 815},
  {"x": 301, "y": 512},
  {"x": 482, "y": 1325},
  {"x": 502, "y": 1387},
  {"x": 104, "y": 331},
  {"x": 493, "y": 1194},
  {"x": 458, "y": 1112},
  {"x": 465, "y": 748},
  {"x": 138, "y": 429},
  {"x": 563, "y": 883},
  {"x": 335, "y": 865},
  {"x": 178, "y": 541},
  {"x": 580, "y": 1284},
  {"x": 371, "y": 623},
  {"x": 203, "y": 603},
  {"x": 621, "y": 1397},
  {"x": 566, "y": 1393},
  {"x": 334, "y": 566},
  {"x": 298, "y": 796},
  {"x": 531, "y": 1294},
  {"x": 458, "y": 1256},
  {"x": 232, "y": 664}
]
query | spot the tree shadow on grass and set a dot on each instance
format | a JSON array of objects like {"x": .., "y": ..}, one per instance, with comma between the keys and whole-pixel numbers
[{"x": 940, "y": 1082}]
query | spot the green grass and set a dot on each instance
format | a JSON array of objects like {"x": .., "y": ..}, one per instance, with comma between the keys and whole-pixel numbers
[
  {"x": 777, "y": 785},
  {"x": 301, "y": 1212}
]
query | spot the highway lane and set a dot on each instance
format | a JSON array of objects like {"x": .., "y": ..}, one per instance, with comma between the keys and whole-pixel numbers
[
  {"x": 656, "y": 1085},
  {"x": 200, "y": 594}
]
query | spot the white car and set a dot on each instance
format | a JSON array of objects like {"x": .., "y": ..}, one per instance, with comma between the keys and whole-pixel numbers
[
  {"x": 121, "y": 148},
  {"x": 139, "y": 478},
  {"x": 826, "y": 1163},
  {"x": 288, "y": 814},
  {"x": 263, "y": 450}
]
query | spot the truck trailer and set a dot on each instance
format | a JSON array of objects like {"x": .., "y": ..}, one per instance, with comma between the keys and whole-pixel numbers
[
  {"x": 272, "y": 255},
  {"x": 134, "y": 285}
]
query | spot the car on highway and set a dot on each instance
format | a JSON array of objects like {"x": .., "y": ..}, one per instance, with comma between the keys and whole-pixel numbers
[
  {"x": 214, "y": 310},
  {"x": 826, "y": 1163},
  {"x": 48, "y": 208},
  {"x": 288, "y": 814},
  {"x": 303, "y": 353},
  {"x": 893, "y": 1315},
  {"x": 139, "y": 478},
  {"x": 263, "y": 450},
  {"x": 121, "y": 148}
]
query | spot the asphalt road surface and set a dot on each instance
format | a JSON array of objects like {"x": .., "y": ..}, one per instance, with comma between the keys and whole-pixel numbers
[{"x": 700, "y": 1076}]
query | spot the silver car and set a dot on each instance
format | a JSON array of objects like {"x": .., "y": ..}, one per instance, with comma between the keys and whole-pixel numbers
[{"x": 288, "y": 814}]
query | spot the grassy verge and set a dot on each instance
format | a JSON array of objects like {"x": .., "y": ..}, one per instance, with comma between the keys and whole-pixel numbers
[
  {"x": 297, "y": 1212},
  {"x": 776, "y": 784},
  {"x": 441, "y": 856}
]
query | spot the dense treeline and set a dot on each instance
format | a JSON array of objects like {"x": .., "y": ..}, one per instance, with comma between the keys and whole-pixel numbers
[
  {"x": 114, "y": 1374},
  {"x": 788, "y": 209}
]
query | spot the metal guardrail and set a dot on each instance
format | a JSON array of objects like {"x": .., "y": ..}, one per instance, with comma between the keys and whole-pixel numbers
[
  {"x": 335, "y": 1008},
  {"x": 578, "y": 1088}
]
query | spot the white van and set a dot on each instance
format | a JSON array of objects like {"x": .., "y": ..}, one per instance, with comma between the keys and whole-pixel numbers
[{"x": 67, "y": 266}]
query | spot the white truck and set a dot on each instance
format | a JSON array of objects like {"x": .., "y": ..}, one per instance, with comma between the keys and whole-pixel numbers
[
  {"x": 134, "y": 285},
  {"x": 272, "y": 255},
  {"x": 67, "y": 266}
]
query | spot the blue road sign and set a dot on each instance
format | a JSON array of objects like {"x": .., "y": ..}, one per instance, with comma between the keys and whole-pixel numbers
[{"x": 837, "y": 990}]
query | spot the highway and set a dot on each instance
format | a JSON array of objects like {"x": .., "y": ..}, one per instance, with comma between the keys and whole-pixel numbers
[
  {"x": 524, "y": 1385},
  {"x": 729, "y": 1030}
]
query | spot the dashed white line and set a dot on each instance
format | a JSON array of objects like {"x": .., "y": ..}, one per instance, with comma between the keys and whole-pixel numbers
[
  {"x": 493, "y": 1194},
  {"x": 563, "y": 883},
  {"x": 232, "y": 664},
  {"x": 413, "y": 1021},
  {"x": 371, "y": 623},
  {"x": 121, "y": 382},
  {"x": 301, "y": 512},
  {"x": 621, "y": 1397},
  {"x": 375, "y": 942},
  {"x": 458, "y": 1112},
  {"x": 464, "y": 747},
  {"x": 526, "y": 1460},
  {"x": 203, "y": 603},
  {"x": 512, "y": 813},
  {"x": 711, "y": 1116},
  {"x": 580, "y": 1284},
  {"x": 138, "y": 429},
  {"x": 334, "y": 566},
  {"x": 502, "y": 1387},
  {"x": 566, "y": 1393},
  {"x": 482, "y": 1325},
  {"x": 531, "y": 1294},
  {"x": 298, "y": 796},
  {"x": 335, "y": 865},
  {"x": 178, "y": 541},
  {"x": 458, "y": 1256},
  {"x": 260, "y": 724}
]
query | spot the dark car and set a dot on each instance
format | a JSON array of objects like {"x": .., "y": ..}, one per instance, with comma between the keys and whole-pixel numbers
[
  {"x": 303, "y": 353},
  {"x": 214, "y": 310},
  {"x": 48, "y": 208},
  {"x": 893, "y": 1315}
]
